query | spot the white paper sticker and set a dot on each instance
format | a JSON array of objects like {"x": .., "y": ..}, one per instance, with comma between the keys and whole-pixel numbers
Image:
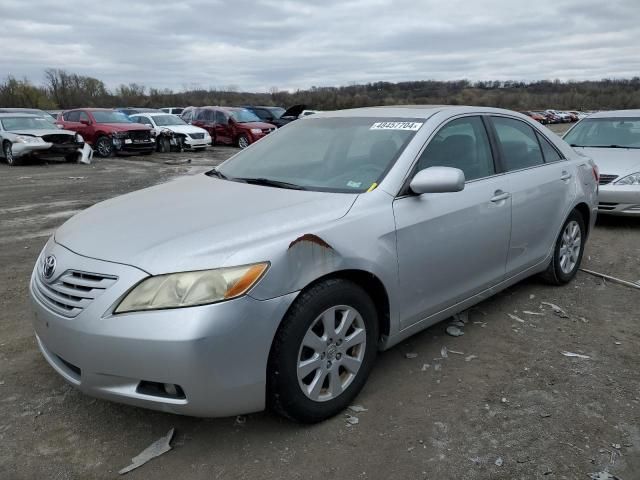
[
  {"x": 353, "y": 184},
  {"x": 413, "y": 126}
]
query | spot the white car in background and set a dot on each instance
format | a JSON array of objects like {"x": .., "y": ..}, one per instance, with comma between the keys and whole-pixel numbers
[
  {"x": 182, "y": 135},
  {"x": 173, "y": 110}
]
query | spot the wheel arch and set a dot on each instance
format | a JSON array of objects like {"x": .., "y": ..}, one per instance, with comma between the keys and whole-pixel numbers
[
  {"x": 583, "y": 209},
  {"x": 371, "y": 284}
]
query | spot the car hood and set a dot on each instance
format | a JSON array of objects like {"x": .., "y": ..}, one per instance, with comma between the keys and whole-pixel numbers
[
  {"x": 40, "y": 133},
  {"x": 183, "y": 129},
  {"x": 260, "y": 125},
  {"x": 123, "y": 127},
  {"x": 613, "y": 161},
  {"x": 195, "y": 223},
  {"x": 294, "y": 111}
]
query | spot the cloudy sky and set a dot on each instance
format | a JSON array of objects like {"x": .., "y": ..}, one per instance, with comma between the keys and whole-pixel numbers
[{"x": 288, "y": 44}]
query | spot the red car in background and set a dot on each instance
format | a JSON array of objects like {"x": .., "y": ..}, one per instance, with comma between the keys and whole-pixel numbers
[
  {"x": 108, "y": 131},
  {"x": 228, "y": 125},
  {"x": 537, "y": 116}
]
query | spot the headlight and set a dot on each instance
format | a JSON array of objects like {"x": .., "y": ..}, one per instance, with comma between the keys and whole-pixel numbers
[
  {"x": 79, "y": 138},
  {"x": 256, "y": 130},
  {"x": 633, "y": 179},
  {"x": 189, "y": 289},
  {"x": 26, "y": 139}
]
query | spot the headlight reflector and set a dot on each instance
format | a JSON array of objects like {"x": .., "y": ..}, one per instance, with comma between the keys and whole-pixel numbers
[
  {"x": 633, "y": 179},
  {"x": 256, "y": 130},
  {"x": 79, "y": 138},
  {"x": 189, "y": 289}
]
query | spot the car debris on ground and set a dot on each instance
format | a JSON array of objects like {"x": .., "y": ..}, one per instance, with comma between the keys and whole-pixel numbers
[
  {"x": 577, "y": 355},
  {"x": 157, "y": 448},
  {"x": 556, "y": 309},
  {"x": 612, "y": 278}
]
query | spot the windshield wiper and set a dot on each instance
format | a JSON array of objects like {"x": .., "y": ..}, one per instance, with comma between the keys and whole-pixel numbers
[
  {"x": 271, "y": 183},
  {"x": 217, "y": 173},
  {"x": 603, "y": 146}
]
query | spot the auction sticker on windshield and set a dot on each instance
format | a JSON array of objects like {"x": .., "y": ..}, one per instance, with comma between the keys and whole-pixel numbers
[{"x": 413, "y": 126}]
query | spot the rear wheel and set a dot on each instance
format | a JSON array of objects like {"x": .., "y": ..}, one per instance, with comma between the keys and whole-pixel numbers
[
  {"x": 7, "y": 149},
  {"x": 104, "y": 146},
  {"x": 323, "y": 351},
  {"x": 243, "y": 141},
  {"x": 568, "y": 251}
]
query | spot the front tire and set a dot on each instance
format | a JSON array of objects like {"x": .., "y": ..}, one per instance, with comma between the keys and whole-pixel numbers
[
  {"x": 7, "y": 150},
  {"x": 323, "y": 352},
  {"x": 164, "y": 145},
  {"x": 568, "y": 250},
  {"x": 104, "y": 147},
  {"x": 243, "y": 141}
]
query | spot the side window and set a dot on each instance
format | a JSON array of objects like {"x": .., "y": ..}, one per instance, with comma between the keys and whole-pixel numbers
[
  {"x": 520, "y": 148},
  {"x": 188, "y": 116},
  {"x": 72, "y": 116},
  {"x": 263, "y": 114},
  {"x": 549, "y": 152},
  {"x": 221, "y": 118},
  {"x": 135, "y": 119},
  {"x": 201, "y": 115},
  {"x": 463, "y": 144},
  {"x": 145, "y": 121}
]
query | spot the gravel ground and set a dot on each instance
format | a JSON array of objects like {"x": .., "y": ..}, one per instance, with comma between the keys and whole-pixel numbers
[{"x": 507, "y": 406}]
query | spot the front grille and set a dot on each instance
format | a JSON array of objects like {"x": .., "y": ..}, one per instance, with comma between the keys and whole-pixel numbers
[
  {"x": 59, "y": 138},
  {"x": 139, "y": 135},
  {"x": 197, "y": 136},
  {"x": 605, "y": 179},
  {"x": 71, "y": 292},
  {"x": 607, "y": 206}
]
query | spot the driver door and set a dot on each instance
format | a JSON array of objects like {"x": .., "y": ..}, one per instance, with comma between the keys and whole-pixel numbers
[{"x": 454, "y": 245}]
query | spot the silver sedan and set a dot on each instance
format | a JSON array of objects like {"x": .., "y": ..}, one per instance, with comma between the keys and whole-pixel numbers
[
  {"x": 612, "y": 139},
  {"x": 276, "y": 278}
]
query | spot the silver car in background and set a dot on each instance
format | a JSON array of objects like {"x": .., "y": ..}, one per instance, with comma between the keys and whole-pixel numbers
[
  {"x": 612, "y": 140},
  {"x": 23, "y": 135},
  {"x": 273, "y": 280}
]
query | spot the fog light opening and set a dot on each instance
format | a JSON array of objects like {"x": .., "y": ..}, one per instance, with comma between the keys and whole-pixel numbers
[{"x": 164, "y": 390}]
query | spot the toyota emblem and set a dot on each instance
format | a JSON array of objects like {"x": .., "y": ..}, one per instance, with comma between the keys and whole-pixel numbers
[{"x": 49, "y": 266}]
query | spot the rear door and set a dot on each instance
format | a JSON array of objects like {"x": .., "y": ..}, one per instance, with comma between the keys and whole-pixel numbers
[
  {"x": 452, "y": 246},
  {"x": 541, "y": 188},
  {"x": 223, "y": 129},
  {"x": 71, "y": 120}
]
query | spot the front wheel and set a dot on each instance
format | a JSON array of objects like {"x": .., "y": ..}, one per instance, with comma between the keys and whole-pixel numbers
[
  {"x": 104, "y": 146},
  {"x": 7, "y": 149},
  {"x": 568, "y": 251},
  {"x": 243, "y": 141},
  {"x": 323, "y": 351}
]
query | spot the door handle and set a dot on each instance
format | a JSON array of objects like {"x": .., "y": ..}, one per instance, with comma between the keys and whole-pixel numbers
[
  {"x": 499, "y": 196},
  {"x": 565, "y": 175}
]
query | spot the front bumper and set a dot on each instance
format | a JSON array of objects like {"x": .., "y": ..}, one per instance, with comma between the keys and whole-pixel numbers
[
  {"x": 126, "y": 145},
  {"x": 196, "y": 142},
  {"x": 26, "y": 149},
  {"x": 216, "y": 354},
  {"x": 621, "y": 200}
]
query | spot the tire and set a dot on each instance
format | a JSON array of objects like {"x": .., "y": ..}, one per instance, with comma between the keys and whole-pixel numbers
[
  {"x": 7, "y": 150},
  {"x": 243, "y": 141},
  {"x": 567, "y": 253},
  {"x": 164, "y": 145},
  {"x": 344, "y": 355},
  {"x": 103, "y": 147},
  {"x": 72, "y": 157}
]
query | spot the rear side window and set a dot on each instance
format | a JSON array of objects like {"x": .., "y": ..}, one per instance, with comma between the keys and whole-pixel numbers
[
  {"x": 520, "y": 147},
  {"x": 72, "y": 116},
  {"x": 221, "y": 118},
  {"x": 550, "y": 153},
  {"x": 83, "y": 116},
  {"x": 463, "y": 144}
]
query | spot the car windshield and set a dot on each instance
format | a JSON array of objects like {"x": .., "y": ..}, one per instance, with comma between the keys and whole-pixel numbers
[
  {"x": 26, "y": 123},
  {"x": 110, "y": 117},
  {"x": 605, "y": 132},
  {"x": 244, "y": 116},
  {"x": 325, "y": 154},
  {"x": 277, "y": 111},
  {"x": 166, "y": 120}
]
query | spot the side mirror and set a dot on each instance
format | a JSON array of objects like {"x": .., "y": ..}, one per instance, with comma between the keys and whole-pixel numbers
[
  {"x": 437, "y": 180},
  {"x": 85, "y": 122}
]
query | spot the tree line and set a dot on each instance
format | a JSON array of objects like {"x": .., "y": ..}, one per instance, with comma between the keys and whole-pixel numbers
[{"x": 63, "y": 90}]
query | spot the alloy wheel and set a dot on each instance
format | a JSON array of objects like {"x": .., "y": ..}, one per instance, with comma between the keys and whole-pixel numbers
[
  {"x": 8, "y": 153},
  {"x": 243, "y": 142},
  {"x": 104, "y": 147},
  {"x": 570, "y": 247},
  {"x": 331, "y": 353}
]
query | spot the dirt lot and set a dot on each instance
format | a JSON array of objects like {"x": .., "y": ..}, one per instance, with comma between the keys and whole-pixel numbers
[{"x": 508, "y": 406}]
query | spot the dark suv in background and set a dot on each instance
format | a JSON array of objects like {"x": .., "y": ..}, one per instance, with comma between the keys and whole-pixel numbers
[
  {"x": 278, "y": 116},
  {"x": 108, "y": 131},
  {"x": 228, "y": 125}
]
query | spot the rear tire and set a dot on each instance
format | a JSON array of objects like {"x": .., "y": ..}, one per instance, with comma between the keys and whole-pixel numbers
[
  {"x": 323, "y": 352},
  {"x": 568, "y": 250}
]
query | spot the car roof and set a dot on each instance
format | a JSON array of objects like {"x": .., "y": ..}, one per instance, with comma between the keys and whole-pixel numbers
[
  {"x": 408, "y": 111},
  {"x": 616, "y": 113},
  {"x": 18, "y": 115},
  {"x": 152, "y": 114}
]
